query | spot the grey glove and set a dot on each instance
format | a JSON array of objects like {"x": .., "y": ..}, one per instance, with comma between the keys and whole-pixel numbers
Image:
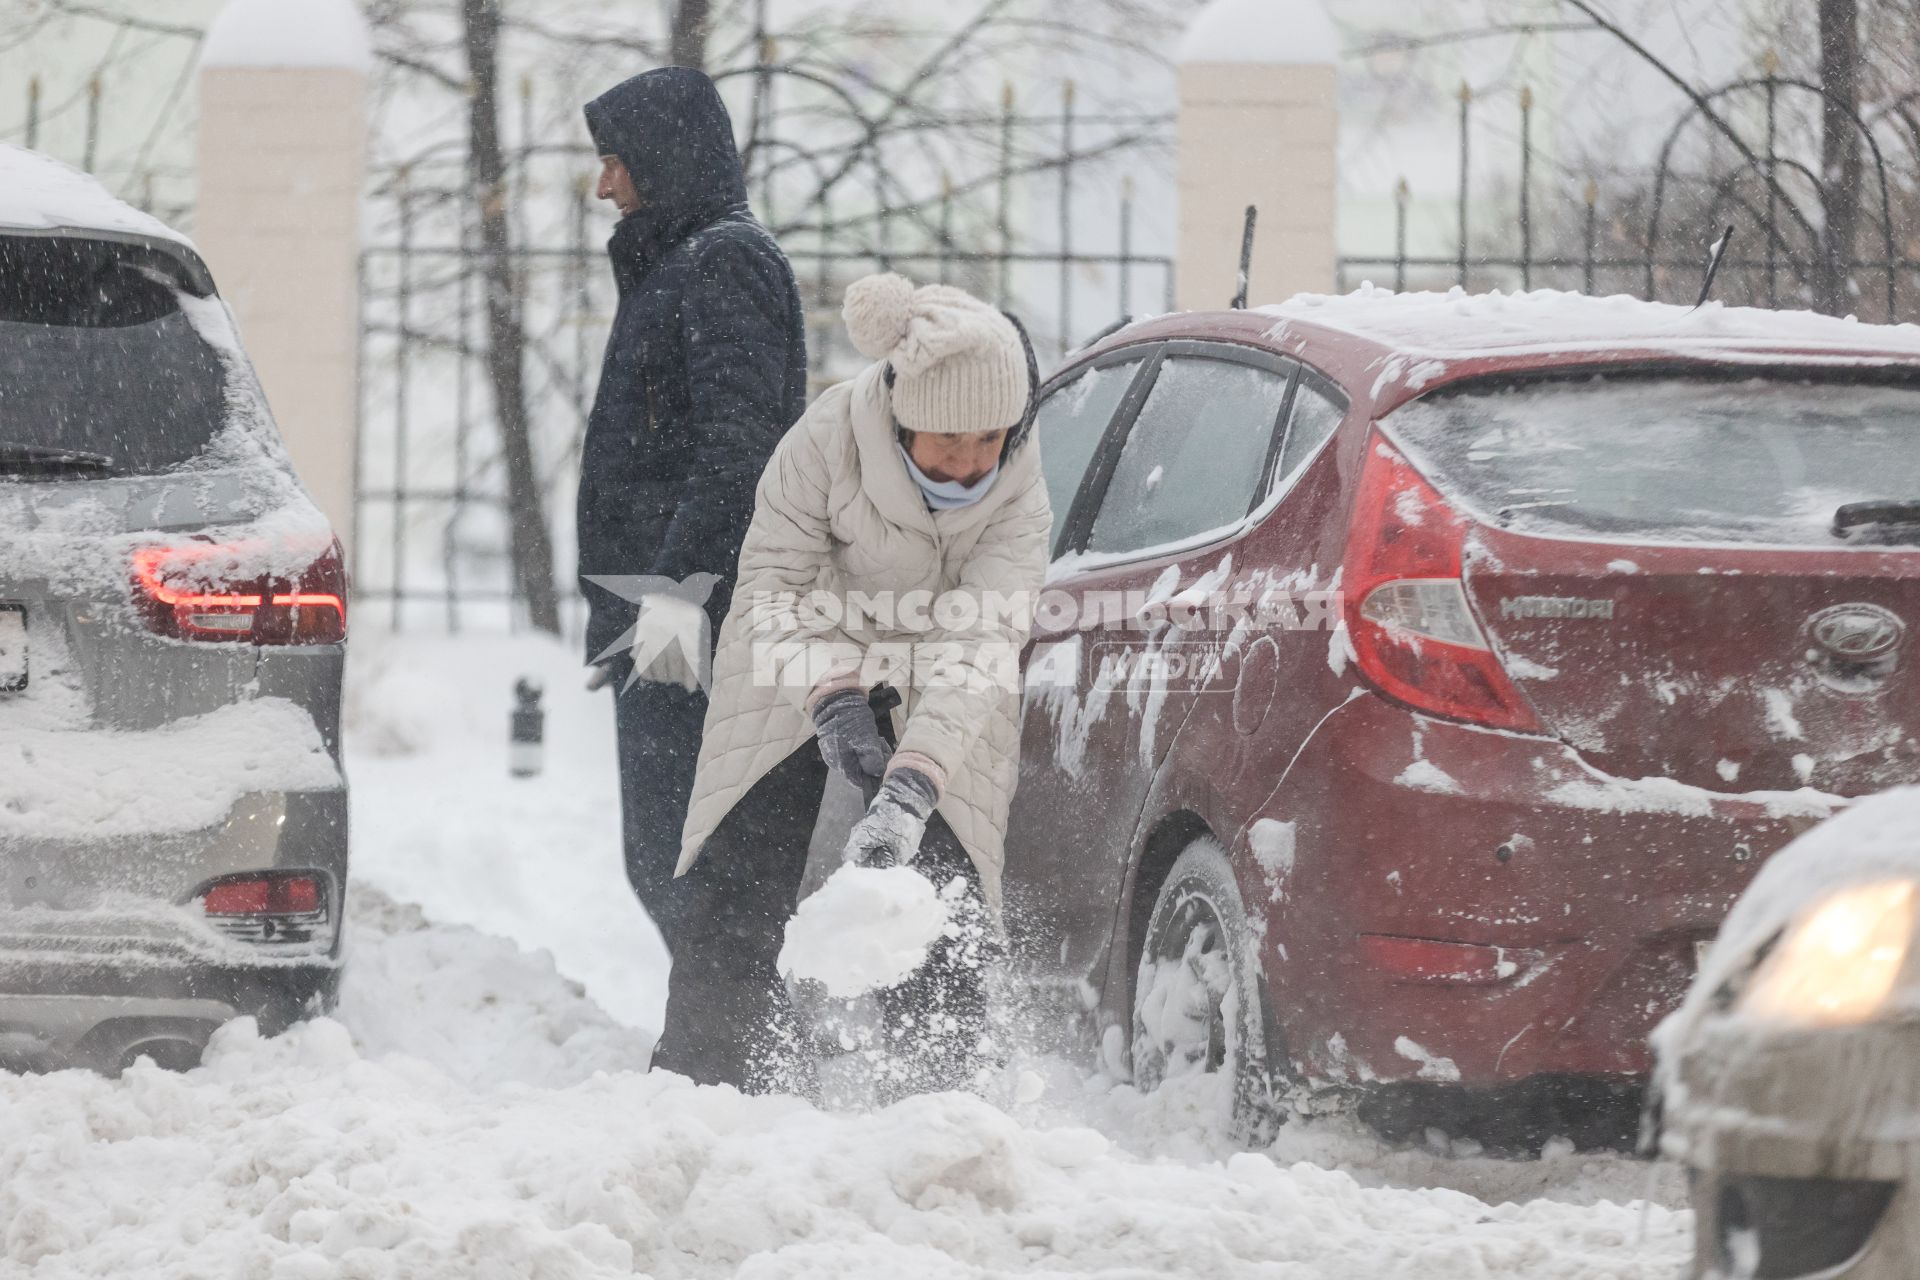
[
  {"x": 889, "y": 835},
  {"x": 850, "y": 740}
]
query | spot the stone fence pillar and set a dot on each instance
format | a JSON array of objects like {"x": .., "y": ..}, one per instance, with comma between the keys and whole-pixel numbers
[
  {"x": 283, "y": 130},
  {"x": 1259, "y": 124}
]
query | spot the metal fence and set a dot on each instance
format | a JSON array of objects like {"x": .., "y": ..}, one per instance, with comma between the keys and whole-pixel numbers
[
  {"x": 1646, "y": 230},
  {"x": 431, "y": 536}
]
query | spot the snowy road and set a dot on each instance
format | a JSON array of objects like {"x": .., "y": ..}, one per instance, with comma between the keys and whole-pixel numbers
[{"x": 472, "y": 1113}]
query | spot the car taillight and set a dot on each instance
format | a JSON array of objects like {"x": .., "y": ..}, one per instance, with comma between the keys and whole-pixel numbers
[
  {"x": 194, "y": 591},
  {"x": 1413, "y": 631},
  {"x": 280, "y": 907}
]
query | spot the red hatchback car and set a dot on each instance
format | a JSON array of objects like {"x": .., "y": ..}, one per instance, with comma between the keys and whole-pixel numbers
[{"x": 1422, "y": 677}]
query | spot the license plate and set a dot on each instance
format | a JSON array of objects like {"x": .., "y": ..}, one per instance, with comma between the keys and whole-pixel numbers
[{"x": 13, "y": 648}]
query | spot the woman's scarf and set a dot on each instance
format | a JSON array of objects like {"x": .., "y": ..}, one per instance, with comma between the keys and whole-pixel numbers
[{"x": 947, "y": 495}]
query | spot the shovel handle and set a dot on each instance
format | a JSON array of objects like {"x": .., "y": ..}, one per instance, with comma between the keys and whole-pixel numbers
[{"x": 883, "y": 700}]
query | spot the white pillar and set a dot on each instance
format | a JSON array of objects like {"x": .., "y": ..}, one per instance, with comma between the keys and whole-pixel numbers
[
  {"x": 282, "y": 147},
  {"x": 1260, "y": 125}
]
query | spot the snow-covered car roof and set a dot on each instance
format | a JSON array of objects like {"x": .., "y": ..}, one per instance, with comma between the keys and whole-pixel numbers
[
  {"x": 1389, "y": 348},
  {"x": 1458, "y": 324},
  {"x": 38, "y": 193},
  {"x": 41, "y": 196}
]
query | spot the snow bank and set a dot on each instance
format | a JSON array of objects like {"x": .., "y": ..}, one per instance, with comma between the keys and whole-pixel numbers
[
  {"x": 474, "y": 1005},
  {"x": 1277, "y": 32},
  {"x": 309, "y": 1156},
  {"x": 866, "y": 929},
  {"x": 472, "y": 1114},
  {"x": 289, "y": 33},
  {"x": 41, "y": 194},
  {"x": 1459, "y": 322},
  {"x": 438, "y": 821}
]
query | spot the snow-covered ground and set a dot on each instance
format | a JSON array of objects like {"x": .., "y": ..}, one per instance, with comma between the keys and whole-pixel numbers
[{"x": 479, "y": 1108}]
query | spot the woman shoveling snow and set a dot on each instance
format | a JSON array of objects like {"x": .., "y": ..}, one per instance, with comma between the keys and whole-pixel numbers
[{"x": 899, "y": 541}]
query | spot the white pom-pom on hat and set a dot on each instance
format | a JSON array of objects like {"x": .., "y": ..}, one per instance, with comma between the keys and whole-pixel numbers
[{"x": 878, "y": 310}]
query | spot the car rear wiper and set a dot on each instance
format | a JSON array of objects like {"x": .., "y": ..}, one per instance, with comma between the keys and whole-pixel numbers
[
  {"x": 1881, "y": 521},
  {"x": 39, "y": 459}
]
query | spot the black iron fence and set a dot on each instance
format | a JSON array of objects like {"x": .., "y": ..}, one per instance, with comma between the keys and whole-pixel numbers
[
  {"x": 432, "y": 527},
  {"x": 1019, "y": 226},
  {"x": 1727, "y": 161}
]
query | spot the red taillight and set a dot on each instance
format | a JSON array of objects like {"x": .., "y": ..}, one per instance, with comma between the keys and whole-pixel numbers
[
  {"x": 276, "y": 895},
  {"x": 1407, "y": 614},
  {"x": 270, "y": 908},
  {"x": 237, "y": 898},
  {"x": 1424, "y": 960},
  {"x": 200, "y": 591}
]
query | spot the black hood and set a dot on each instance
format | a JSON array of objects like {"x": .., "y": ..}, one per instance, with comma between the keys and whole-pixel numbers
[{"x": 672, "y": 131}]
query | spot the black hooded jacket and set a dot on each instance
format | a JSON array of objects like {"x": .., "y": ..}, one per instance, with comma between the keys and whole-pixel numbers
[{"x": 706, "y": 365}]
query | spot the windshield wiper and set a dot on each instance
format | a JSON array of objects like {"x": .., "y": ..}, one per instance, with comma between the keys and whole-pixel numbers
[
  {"x": 40, "y": 459},
  {"x": 1881, "y": 521}
]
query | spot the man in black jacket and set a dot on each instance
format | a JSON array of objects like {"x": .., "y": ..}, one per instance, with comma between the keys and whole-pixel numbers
[{"x": 705, "y": 370}]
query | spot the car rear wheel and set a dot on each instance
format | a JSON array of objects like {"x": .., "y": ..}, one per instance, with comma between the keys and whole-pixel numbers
[{"x": 1200, "y": 1006}]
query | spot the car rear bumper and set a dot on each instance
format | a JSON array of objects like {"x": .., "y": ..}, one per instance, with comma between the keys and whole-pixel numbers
[
  {"x": 102, "y": 942},
  {"x": 1802, "y": 1148},
  {"x": 1590, "y": 895},
  {"x": 104, "y": 1025}
]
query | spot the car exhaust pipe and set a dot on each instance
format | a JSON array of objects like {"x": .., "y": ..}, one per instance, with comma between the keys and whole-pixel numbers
[
  {"x": 173, "y": 1044},
  {"x": 168, "y": 1052}
]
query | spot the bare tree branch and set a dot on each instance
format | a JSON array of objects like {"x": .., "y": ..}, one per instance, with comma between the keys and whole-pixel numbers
[
  {"x": 421, "y": 67},
  {"x": 1703, "y": 106},
  {"x": 1413, "y": 44},
  {"x": 120, "y": 18}
]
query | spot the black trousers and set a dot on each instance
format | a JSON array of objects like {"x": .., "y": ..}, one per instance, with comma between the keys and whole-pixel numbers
[
  {"x": 658, "y": 732},
  {"x": 729, "y": 1018}
]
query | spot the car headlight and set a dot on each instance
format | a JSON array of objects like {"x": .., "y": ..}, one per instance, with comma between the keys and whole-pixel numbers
[{"x": 1839, "y": 964}]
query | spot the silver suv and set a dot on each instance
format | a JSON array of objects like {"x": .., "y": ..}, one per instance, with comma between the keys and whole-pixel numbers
[{"x": 173, "y": 815}]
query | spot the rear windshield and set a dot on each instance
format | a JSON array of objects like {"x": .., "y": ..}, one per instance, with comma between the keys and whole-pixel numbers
[
  {"x": 96, "y": 356},
  {"x": 1670, "y": 459}
]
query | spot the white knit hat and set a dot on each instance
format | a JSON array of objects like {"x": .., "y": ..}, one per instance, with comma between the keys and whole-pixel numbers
[{"x": 959, "y": 365}]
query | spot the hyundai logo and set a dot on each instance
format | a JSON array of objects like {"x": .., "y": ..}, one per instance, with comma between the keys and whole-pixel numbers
[{"x": 1857, "y": 633}]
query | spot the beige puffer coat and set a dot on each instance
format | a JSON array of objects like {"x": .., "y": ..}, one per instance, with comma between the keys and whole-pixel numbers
[{"x": 837, "y": 513}]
